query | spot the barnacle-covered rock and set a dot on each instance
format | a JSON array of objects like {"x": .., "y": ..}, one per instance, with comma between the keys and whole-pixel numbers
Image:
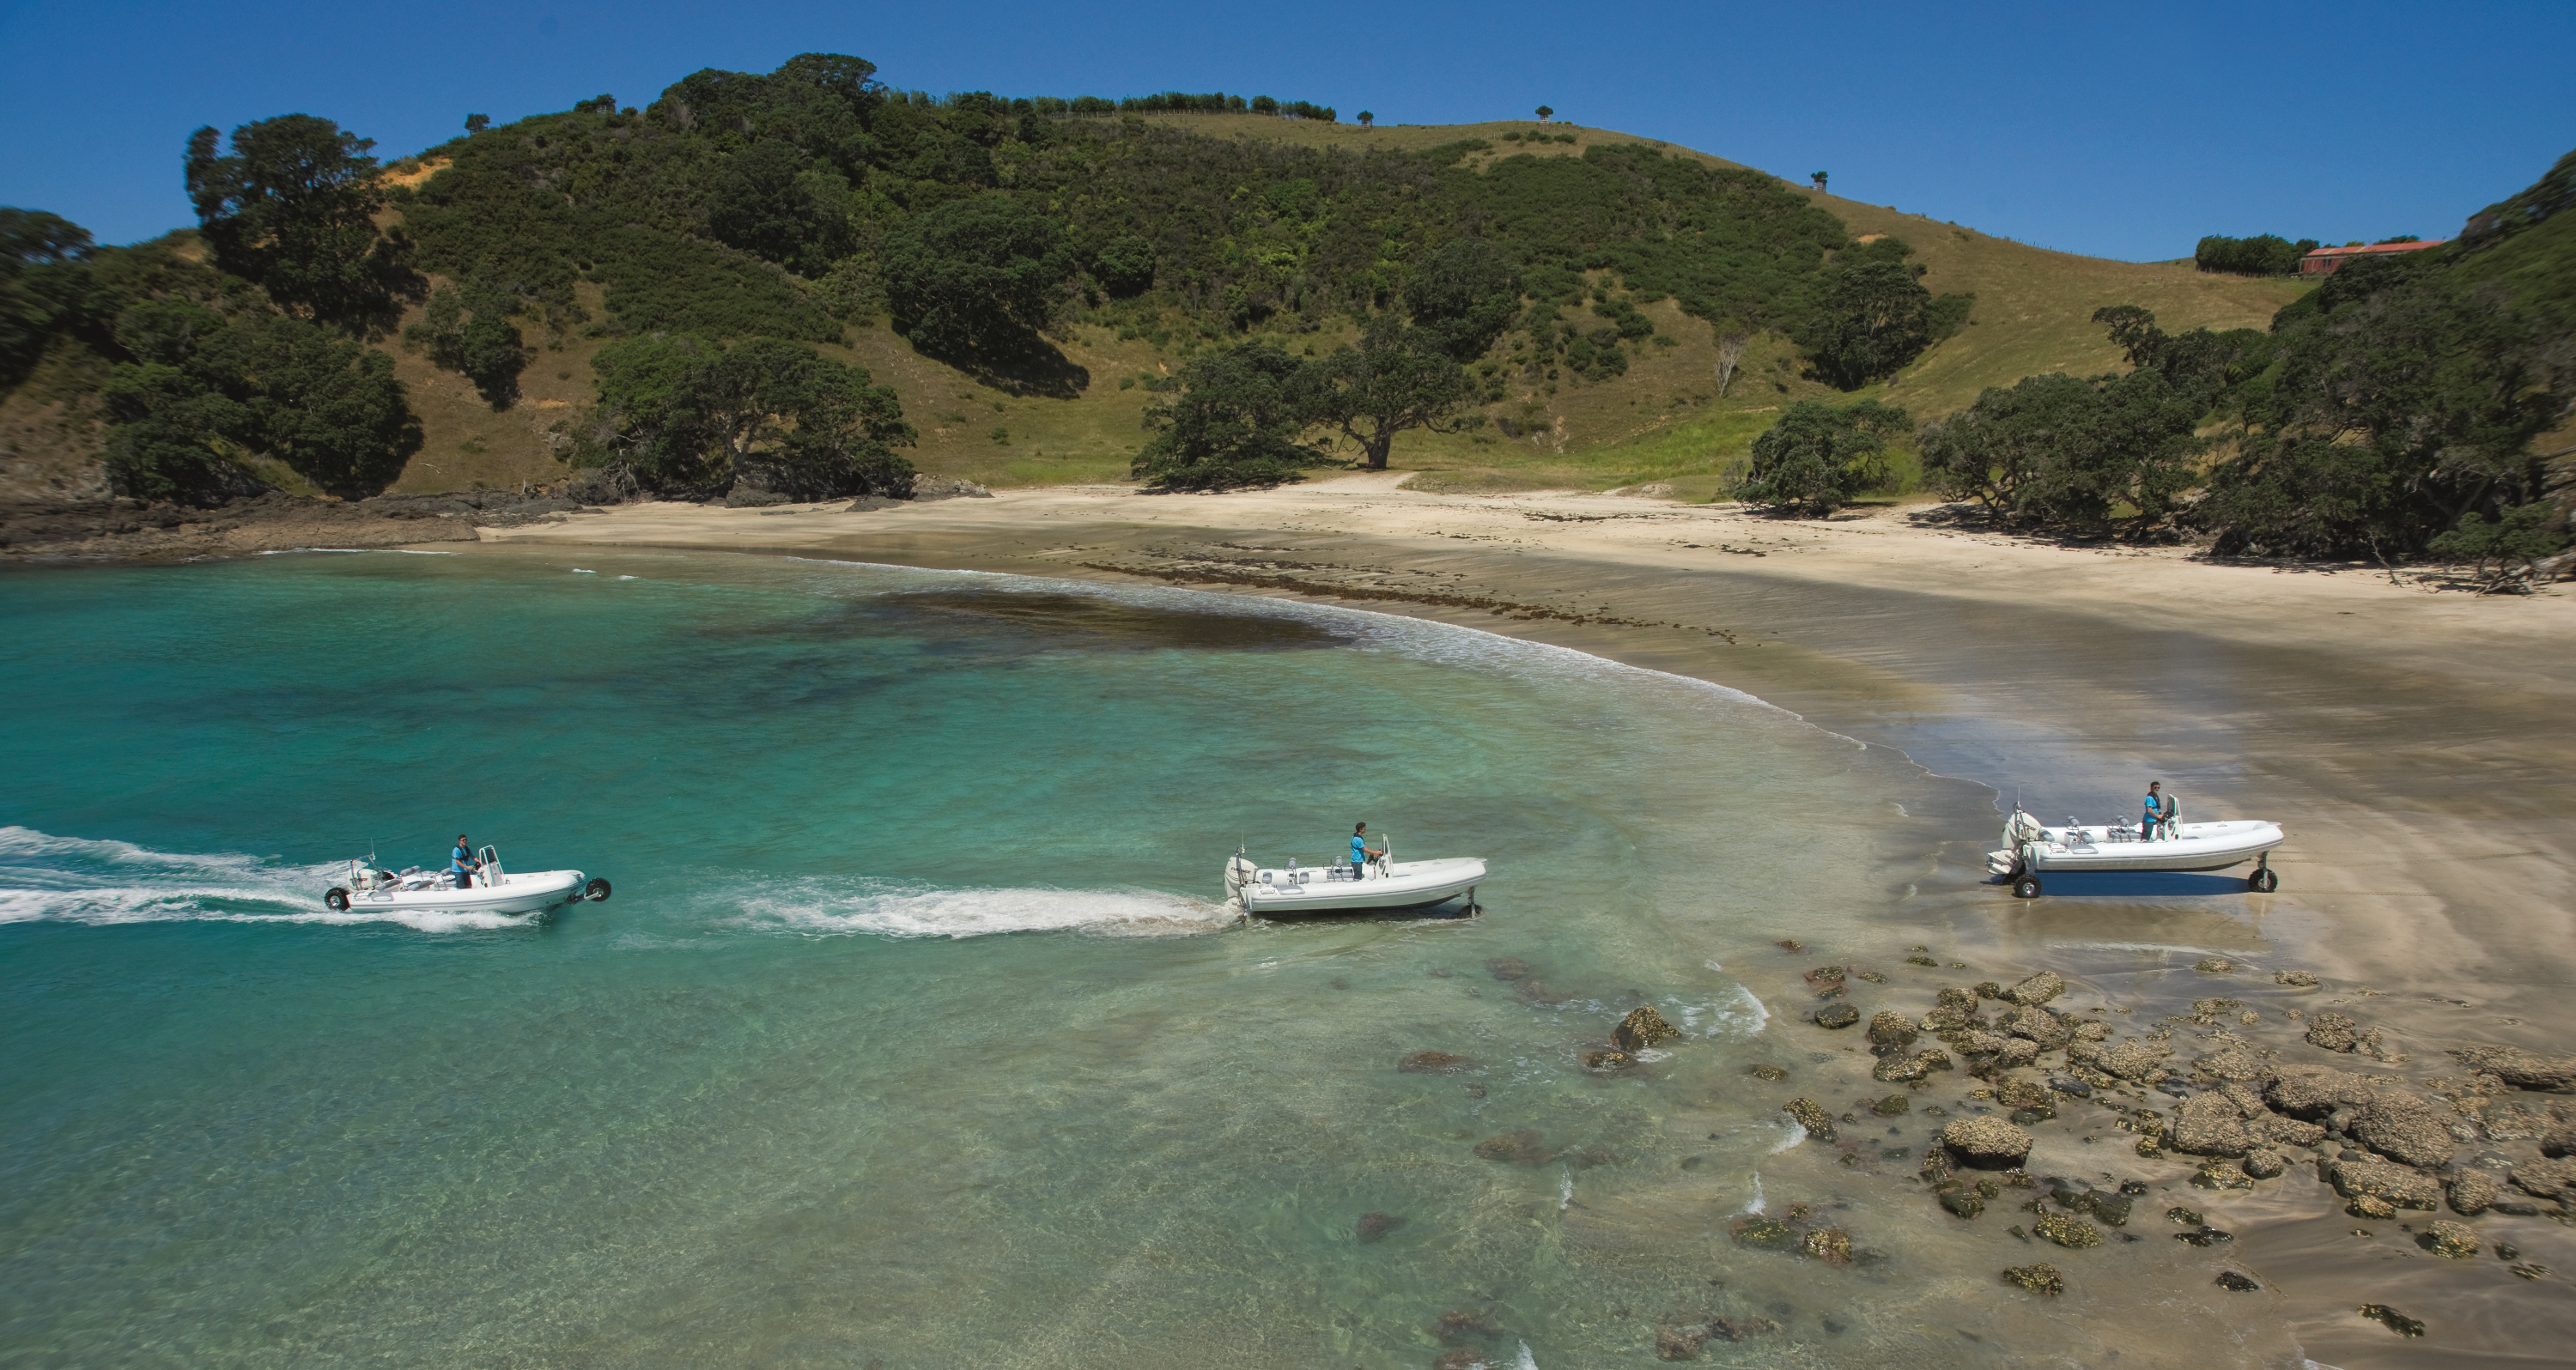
[
  {"x": 2459, "y": 1241},
  {"x": 2037, "y": 989},
  {"x": 1986, "y": 1143},
  {"x": 2038, "y": 1279},
  {"x": 2071, "y": 1233},
  {"x": 1642, "y": 1028}
]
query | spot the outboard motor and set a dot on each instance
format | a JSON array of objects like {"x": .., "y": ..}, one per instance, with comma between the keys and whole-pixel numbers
[
  {"x": 2019, "y": 830},
  {"x": 1239, "y": 872}
]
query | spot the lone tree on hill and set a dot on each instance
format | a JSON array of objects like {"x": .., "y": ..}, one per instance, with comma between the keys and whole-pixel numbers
[
  {"x": 1544, "y": 113},
  {"x": 1818, "y": 177},
  {"x": 476, "y": 123},
  {"x": 1367, "y": 120},
  {"x": 1873, "y": 320},
  {"x": 1394, "y": 380}
]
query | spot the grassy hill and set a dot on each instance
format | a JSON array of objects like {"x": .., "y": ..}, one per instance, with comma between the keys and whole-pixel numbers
[{"x": 1658, "y": 421}]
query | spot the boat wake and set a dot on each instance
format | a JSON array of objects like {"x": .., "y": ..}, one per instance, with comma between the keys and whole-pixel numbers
[
  {"x": 860, "y": 906},
  {"x": 44, "y": 878}
]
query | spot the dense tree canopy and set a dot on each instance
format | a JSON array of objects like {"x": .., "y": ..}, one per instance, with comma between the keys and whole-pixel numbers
[
  {"x": 1463, "y": 295},
  {"x": 2391, "y": 411},
  {"x": 292, "y": 206},
  {"x": 976, "y": 277},
  {"x": 204, "y": 391},
  {"x": 2058, "y": 451},
  {"x": 2404, "y": 399},
  {"x": 687, "y": 414},
  {"x": 1252, "y": 414},
  {"x": 37, "y": 286},
  {"x": 823, "y": 171}
]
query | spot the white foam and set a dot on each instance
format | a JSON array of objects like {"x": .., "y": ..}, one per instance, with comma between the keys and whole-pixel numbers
[
  {"x": 826, "y": 907},
  {"x": 1745, "y": 1016},
  {"x": 104, "y": 882},
  {"x": 1758, "y": 1201},
  {"x": 1797, "y": 1134},
  {"x": 1526, "y": 1361}
]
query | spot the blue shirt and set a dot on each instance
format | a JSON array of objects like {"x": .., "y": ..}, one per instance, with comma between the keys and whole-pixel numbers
[
  {"x": 1359, "y": 850},
  {"x": 2155, "y": 809},
  {"x": 457, "y": 861}
]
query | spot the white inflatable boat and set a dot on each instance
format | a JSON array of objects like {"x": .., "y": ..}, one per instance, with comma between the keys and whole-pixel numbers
[
  {"x": 2031, "y": 847},
  {"x": 489, "y": 890},
  {"x": 1382, "y": 885}
]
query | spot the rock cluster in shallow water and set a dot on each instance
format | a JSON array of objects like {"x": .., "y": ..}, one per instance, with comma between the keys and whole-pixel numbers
[{"x": 2241, "y": 1108}]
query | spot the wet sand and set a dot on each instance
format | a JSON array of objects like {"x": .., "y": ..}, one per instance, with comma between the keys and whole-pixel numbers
[{"x": 2414, "y": 743}]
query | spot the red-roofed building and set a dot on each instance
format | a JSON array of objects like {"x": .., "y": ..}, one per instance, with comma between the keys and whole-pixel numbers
[{"x": 2325, "y": 261}]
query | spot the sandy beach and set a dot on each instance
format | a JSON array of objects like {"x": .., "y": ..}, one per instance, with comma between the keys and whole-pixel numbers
[{"x": 2411, "y": 739}]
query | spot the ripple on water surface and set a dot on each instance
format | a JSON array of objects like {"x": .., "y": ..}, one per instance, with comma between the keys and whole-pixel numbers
[{"x": 967, "y": 1066}]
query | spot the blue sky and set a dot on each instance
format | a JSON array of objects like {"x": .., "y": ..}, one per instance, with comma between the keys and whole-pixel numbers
[{"x": 2123, "y": 132}]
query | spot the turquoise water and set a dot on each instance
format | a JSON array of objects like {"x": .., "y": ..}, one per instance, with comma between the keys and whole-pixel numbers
[{"x": 913, "y": 1034}]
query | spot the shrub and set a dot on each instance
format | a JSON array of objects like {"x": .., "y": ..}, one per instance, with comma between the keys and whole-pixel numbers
[
  {"x": 1125, "y": 265},
  {"x": 1818, "y": 457},
  {"x": 481, "y": 344},
  {"x": 1238, "y": 419}
]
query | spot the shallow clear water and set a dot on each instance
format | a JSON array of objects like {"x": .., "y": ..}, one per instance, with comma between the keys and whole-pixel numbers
[{"x": 913, "y": 1033}]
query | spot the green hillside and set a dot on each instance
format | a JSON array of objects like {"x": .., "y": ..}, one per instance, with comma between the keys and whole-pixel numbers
[{"x": 740, "y": 206}]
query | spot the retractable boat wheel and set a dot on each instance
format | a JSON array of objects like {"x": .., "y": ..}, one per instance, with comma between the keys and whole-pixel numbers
[
  {"x": 596, "y": 890},
  {"x": 336, "y": 901},
  {"x": 2264, "y": 880},
  {"x": 2027, "y": 887}
]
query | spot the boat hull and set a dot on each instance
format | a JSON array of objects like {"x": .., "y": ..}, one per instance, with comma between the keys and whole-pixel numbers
[
  {"x": 535, "y": 892},
  {"x": 2192, "y": 847},
  {"x": 1403, "y": 885}
]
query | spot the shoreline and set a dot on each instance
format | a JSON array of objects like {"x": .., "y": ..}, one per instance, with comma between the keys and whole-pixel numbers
[
  {"x": 2412, "y": 741},
  {"x": 2409, "y": 741}
]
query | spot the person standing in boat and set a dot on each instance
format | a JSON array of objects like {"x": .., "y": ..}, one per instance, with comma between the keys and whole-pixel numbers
[
  {"x": 2159, "y": 810},
  {"x": 1360, "y": 852},
  {"x": 461, "y": 863}
]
